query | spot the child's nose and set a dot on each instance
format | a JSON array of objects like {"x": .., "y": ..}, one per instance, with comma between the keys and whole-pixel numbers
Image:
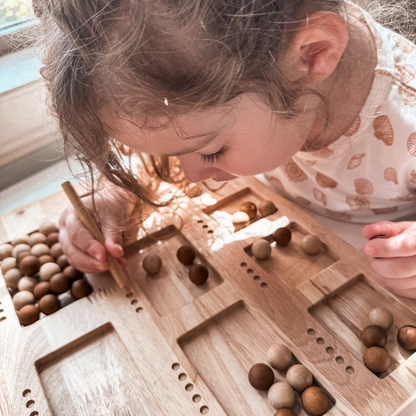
[{"x": 194, "y": 170}]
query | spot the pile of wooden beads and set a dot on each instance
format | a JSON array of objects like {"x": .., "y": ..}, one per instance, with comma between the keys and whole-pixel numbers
[
  {"x": 38, "y": 274},
  {"x": 281, "y": 395}
]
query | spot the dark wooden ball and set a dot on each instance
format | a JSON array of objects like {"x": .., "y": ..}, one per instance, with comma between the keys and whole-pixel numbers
[
  {"x": 198, "y": 274},
  {"x": 315, "y": 401},
  {"x": 285, "y": 412},
  {"x": 376, "y": 359},
  {"x": 41, "y": 289},
  {"x": 406, "y": 336},
  {"x": 282, "y": 236},
  {"x": 72, "y": 273},
  {"x": 80, "y": 288},
  {"x": 59, "y": 283},
  {"x": 49, "y": 304},
  {"x": 267, "y": 208},
  {"x": 30, "y": 265},
  {"x": 20, "y": 256},
  {"x": 186, "y": 254},
  {"x": 374, "y": 336},
  {"x": 28, "y": 314},
  {"x": 261, "y": 376},
  {"x": 52, "y": 239},
  {"x": 62, "y": 261},
  {"x": 249, "y": 208}
]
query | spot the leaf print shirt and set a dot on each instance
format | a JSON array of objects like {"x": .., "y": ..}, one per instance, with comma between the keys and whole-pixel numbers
[{"x": 369, "y": 173}]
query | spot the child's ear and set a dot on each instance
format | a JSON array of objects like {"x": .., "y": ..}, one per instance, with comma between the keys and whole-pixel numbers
[{"x": 317, "y": 47}]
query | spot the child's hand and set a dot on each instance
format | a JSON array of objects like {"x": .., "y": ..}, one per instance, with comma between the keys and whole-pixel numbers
[
  {"x": 393, "y": 258},
  {"x": 83, "y": 251}
]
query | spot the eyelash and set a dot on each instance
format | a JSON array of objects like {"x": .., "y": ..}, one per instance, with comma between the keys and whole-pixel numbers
[{"x": 215, "y": 157}]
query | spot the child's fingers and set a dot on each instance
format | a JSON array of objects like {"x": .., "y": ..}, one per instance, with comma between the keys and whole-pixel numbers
[
  {"x": 407, "y": 293},
  {"x": 398, "y": 284},
  {"x": 402, "y": 245},
  {"x": 394, "y": 268},
  {"x": 386, "y": 228},
  {"x": 113, "y": 237}
]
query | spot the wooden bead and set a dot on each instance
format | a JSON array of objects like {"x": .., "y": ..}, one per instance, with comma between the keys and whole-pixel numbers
[
  {"x": 59, "y": 283},
  {"x": 73, "y": 273},
  {"x": 56, "y": 250},
  {"x": 261, "y": 249},
  {"x": 240, "y": 220},
  {"x": 12, "y": 278},
  {"x": 285, "y": 412},
  {"x": 62, "y": 261},
  {"x": 282, "y": 236},
  {"x": 40, "y": 250},
  {"x": 27, "y": 283},
  {"x": 381, "y": 317},
  {"x": 47, "y": 270},
  {"x": 315, "y": 401},
  {"x": 279, "y": 356},
  {"x": 299, "y": 377},
  {"x": 49, "y": 304},
  {"x": 311, "y": 244},
  {"x": 28, "y": 314},
  {"x": 376, "y": 359},
  {"x": 30, "y": 265},
  {"x": 281, "y": 396},
  {"x": 260, "y": 376},
  {"x": 48, "y": 227},
  {"x": 46, "y": 258},
  {"x": 406, "y": 336},
  {"x": 21, "y": 256},
  {"x": 20, "y": 239},
  {"x": 249, "y": 208},
  {"x": 267, "y": 208},
  {"x": 23, "y": 298},
  {"x": 37, "y": 238},
  {"x": 80, "y": 288},
  {"x": 52, "y": 239},
  {"x": 19, "y": 248},
  {"x": 41, "y": 289},
  {"x": 6, "y": 250},
  {"x": 186, "y": 254},
  {"x": 7, "y": 264},
  {"x": 374, "y": 336},
  {"x": 152, "y": 264},
  {"x": 198, "y": 274}
]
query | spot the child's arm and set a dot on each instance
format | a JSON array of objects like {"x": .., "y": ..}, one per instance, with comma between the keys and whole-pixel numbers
[{"x": 393, "y": 259}]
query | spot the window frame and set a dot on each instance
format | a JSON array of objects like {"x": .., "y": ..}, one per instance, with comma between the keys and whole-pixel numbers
[{"x": 8, "y": 40}]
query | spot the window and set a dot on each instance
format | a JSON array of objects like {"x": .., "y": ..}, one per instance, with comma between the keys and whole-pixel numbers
[{"x": 14, "y": 13}]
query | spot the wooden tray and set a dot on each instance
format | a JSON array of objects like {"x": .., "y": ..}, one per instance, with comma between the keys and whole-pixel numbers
[{"x": 169, "y": 347}]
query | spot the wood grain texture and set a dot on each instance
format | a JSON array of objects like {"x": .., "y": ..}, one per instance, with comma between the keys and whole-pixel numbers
[{"x": 167, "y": 347}]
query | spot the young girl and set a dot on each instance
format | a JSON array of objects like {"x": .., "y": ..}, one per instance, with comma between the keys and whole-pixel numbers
[{"x": 313, "y": 93}]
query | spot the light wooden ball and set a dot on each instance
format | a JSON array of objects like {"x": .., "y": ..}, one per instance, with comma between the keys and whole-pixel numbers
[
  {"x": 152, "y": 264},
  {"x": 311, "y": 244},
  {"x": 23, "y": 298},
  {"x": 281, "y": 396},
  {"x": 46, "y": 258},
  {"x": 47, "y": 270},
  {"x": 12, "y": 278},
  {"x": 7, "y": 264},
  {"x": 19, "y": 248},
  {"x": 249, "y": 208},
  {"x": 376, "y": 359},
  {"x": 267, "y": 208},
  {"x": 36, "y": 238},
  {"x": 279, "y": 356},
  {"x": 28, "y": 314},
  {"x": 260, "y": 376},
  {"x": 261, "y": 249},
  {"x": 285, "y": 412},
  {"x": 48, "y": 227},
  {"x": 56, "y": 250},
  {"x": 240, "y": 220},
  {"x": 6, "y": 250},
  {"x": 27, "y": 283},
  {"x": 381, "y": 317},
  {"x": 315, "y": 401},
  {"x": 52, "y": 239},
  {"x": 299, "y": 377},
  {"x": 20, "y": 239},
  {"x": 406, "y": 336},
  {"x": 41, "y": 250},
  {"x": 374, "y": 336}
]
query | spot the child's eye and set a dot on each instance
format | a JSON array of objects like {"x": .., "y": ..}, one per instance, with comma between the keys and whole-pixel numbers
[{"x": 215, "y": 157}]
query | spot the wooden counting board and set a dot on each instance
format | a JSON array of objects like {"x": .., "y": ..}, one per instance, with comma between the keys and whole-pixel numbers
[{"x": 168, "y": 347}]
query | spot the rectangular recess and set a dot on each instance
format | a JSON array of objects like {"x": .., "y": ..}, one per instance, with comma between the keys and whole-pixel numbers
[
  {"x": 93, "y": 375},
  {"x": 290, "y": 264},
  {"x": 223, "y": 352},
  {"x": 170, "y": 289},
  {"x": 345, "y": 315}
]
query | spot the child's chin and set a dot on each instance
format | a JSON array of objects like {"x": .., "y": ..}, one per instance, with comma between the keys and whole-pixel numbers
[{"x": 224, "y": 177}]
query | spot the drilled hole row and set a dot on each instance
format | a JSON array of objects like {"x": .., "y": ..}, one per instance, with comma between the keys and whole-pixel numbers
[
  {"x": 2, "y": 318},
  {"x": 256, "y": 277},
  {"x": 204, "y": 226},
  {"x": 134, "y": 302},
  {"x": 330, "y": 350},
  {"x": 30, "y": 404},
  {"x": 196, "y": 398}
]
